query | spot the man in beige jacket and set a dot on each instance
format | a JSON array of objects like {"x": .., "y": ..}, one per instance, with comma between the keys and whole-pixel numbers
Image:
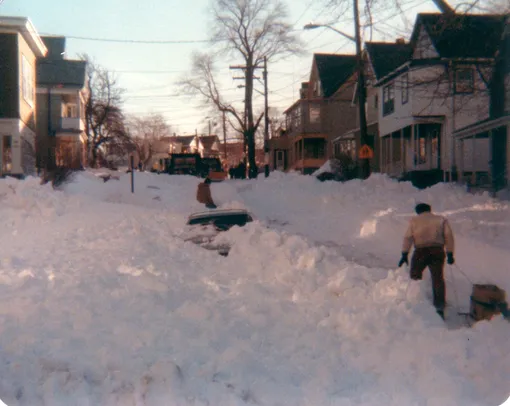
[{"x": 431, "y": 235}]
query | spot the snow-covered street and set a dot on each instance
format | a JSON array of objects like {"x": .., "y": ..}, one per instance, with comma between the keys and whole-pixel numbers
[{"x": 104, "y": 303}]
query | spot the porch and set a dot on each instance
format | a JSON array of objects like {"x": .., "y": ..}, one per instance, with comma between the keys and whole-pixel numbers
[
  {"x": 70, "y": 152},
  {"x": 485, "y": 154},
  {"x": 308, "y": 153},
  {"x": 414, "y": 148},
  {"x": 349, "y": 144}
]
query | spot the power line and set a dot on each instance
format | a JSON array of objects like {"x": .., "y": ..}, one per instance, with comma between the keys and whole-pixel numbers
[{"x": 132, "y": 41}]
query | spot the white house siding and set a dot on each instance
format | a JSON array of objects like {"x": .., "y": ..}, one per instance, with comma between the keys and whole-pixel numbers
[
  {"x": 425, "y": 48},
  {"x": 11, "y": 127},
  {"x": 430, "y": 96},
  {"x": 476, "y": 155}
]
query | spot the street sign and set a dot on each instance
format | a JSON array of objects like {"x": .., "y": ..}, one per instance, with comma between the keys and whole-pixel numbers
[{"x": 365, "y": 152}]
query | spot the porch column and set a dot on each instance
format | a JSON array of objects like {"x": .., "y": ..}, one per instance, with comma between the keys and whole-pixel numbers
[
  {"x": 302, "y": 156},
  {"x": 381, "y": 147},
  {"x": 413, "y": 147},
  {"x": 402, "y": 158},
  {"x": 417, "y": 141},
  {"x": 491, "y": 164},
  {"x": 473, "y": 161},
  {"x": 461, "y": 162},
  {"x": 392, "y": 163}
]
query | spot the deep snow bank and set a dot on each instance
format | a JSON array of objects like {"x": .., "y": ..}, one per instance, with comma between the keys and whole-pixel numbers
[{"x": 105, "y": 304}]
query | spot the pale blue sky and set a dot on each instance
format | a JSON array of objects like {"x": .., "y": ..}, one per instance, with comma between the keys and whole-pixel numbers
[{"x": 164, "y": 20}]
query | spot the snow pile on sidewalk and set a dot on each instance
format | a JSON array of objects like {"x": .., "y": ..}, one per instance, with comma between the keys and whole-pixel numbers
[{"x": 104, "y": 304}]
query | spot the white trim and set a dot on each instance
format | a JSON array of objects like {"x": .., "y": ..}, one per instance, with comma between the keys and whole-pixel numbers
[
  {"x": 58, "y": 90},
  {"x": 482, "y": 127},
  {"x": 353, "y": 131},
  {"x": 24, "y": 26}
]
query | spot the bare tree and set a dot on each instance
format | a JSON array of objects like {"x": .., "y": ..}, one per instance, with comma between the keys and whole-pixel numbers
[
  {"x": 104, "y": 118},
  {"x": 145, "y": 132},
  {"x": 252, "y": 30}
]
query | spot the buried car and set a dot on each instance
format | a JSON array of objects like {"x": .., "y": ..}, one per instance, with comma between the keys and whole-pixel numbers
[{"x": 203, "y": 227}]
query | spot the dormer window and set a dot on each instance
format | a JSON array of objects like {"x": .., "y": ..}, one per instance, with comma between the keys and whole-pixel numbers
[{"x": 464, "y": 81}]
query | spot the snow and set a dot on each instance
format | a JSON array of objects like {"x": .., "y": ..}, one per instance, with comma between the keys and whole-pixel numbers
[{"x": 106, "y": 304}]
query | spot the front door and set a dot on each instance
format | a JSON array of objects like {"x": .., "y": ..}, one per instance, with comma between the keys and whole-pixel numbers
[{"x": 280, "y": 160}]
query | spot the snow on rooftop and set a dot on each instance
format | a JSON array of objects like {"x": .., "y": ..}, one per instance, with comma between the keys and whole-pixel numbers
[{"x": 104, "y": 303}]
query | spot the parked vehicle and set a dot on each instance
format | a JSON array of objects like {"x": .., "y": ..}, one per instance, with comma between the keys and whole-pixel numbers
[
  {"x": 183, "y": 164},
  {"x": 203, "y": 227},
  {"x": 212, "y": 168}
]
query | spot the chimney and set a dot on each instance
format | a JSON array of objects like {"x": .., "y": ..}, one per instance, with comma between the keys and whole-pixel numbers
[{"x": 400, "y": 41}]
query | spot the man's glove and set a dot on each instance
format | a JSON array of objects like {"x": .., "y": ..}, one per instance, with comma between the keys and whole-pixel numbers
[
  {"x": 403, "y": 260},
  {"x": 450, "y": 260}
]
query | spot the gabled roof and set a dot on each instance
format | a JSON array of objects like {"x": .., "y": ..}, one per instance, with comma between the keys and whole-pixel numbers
[
  {"x": 208, "y": 140},
  {"x": 56, "y": 46},
  {"x": 334, "y": 70},
  {"x": 185, "y": 140},
  {"x": 61, "y": 72},
  {"x": 461, "y": 35},
  {"x": 386, "y": 57}
]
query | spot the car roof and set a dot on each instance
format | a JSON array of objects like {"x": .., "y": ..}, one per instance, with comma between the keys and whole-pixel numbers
[{"x": 217, "y": 213}]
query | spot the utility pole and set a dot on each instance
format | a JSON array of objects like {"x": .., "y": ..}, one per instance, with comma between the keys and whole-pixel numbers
[
  {"x": 444, "y": 7},
  {"x": 266, "y": 121},
  {"x": 245, "y": 115},
  {"x": 364, "y": 163},
  {"x": 225, "y": 136}
]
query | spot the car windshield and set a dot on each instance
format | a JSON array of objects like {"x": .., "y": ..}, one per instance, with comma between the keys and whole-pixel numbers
[{"x": 238, "y": 219}]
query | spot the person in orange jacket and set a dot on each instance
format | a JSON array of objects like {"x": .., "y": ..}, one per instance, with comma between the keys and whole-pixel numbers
[
  {"x": 204, "y": 194},
  {"x": 431, "y": 235}
]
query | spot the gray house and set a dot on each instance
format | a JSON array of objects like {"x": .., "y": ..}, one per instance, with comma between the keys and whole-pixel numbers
[{"x": 61, "y": 98}]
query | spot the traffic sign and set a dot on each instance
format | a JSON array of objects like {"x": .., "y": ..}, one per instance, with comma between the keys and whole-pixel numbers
[{"x": 366, "y": 152}]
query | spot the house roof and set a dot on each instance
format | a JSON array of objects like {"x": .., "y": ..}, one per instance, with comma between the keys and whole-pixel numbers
[
  {"x": 63, "y": 72},
  {"x": 208, "y": 141},
  {"x": 161, "y": 146},
  {"x": 185, "y": 140},
  {"x": 461, "y": 35},
  {"x": 386, "y": 57},
  {"x": 56, "y": 46},
  {"x": 334, "y": 70}
]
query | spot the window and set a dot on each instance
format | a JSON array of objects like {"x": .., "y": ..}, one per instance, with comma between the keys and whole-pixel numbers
[
  {"x": 435, "y": 145},
  {"x": 388, "y": 99},
  {"x": 6, "y": 153},
  {"x": 317, "y": 89},
  {"x": 296, "y": 117},
  {"x": 422, "y": 151},
  {"x": 27, "y": 80},
  {"x": 464, "y": 81},
  {"x": 70, "y": 110},
  {"x": 376, "y": 101},
  {"x": 315, "y": 115},
  {"x": 405, "y": 88}
]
